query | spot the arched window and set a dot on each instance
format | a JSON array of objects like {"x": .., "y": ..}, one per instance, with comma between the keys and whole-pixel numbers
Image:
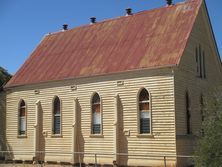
[
  {"x": 202, "y": 113},
  {"x": 56, "y": 116},
  {"x": 22, "y": 118},
  {"x": 200, "y": 62},
  {"x": 202, "y": 107},
  {"x": 144, "y": 112},
  {"x": 188, "y": 115},
  {"x": 96, "y": 114}
]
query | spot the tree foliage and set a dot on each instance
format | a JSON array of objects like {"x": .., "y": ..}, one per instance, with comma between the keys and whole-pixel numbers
[
  {"x": 4, "y": 76},
  {"x": 209, "y": 149}
]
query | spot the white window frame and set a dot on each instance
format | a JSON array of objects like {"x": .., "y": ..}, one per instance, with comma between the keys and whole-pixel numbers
[
  {"x": 53, "y": 120},
  {"x": 139, "y": 134},
  {"x": 19, "y": 119},
  {"x": 91, "y": 115}
]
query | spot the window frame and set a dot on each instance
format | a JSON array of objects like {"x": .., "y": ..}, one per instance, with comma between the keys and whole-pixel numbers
[
  {"x": 53, "y": 118},
  {"x": 139, "y": 134},
  {"x": 197, "y": 62},
  {"x": 18, "y": 118},
  {"x": 188, "y": 114},
  {"x": 200, "y": 62},
  {"x": 91, "y": 116},
  {"x": 202, "y": 112},
  {"x": 204, "y": 65}
]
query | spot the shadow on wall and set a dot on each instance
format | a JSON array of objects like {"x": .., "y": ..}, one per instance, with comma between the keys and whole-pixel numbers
[
  {"x": 80, "y": 142},
  {"x": 4, "y": 146},
  {"x": 122, "y": 138},
  {"x": 41, "y": 138},
  {"x": 8, "y": 155}
]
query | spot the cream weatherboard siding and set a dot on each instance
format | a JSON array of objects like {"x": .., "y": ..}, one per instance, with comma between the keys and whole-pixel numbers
[
  {"x": 186, "y": 79},
  {"x": 119, "y": 103}
]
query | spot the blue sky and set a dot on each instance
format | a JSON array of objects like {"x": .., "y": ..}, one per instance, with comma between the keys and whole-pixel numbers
[{"x": 23, "y": 23}]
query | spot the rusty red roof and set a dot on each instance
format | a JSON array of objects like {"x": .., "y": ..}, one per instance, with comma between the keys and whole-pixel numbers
[{"x": 148, "y": 39}]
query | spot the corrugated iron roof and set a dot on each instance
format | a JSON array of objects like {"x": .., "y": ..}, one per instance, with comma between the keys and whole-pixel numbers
[{"x": 148, "y": 39}]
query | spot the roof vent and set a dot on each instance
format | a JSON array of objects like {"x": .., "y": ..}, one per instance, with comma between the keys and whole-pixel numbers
[
  {"x": 169, "y": 2},
  {"x": 128, "y": 11},
  {"x": 93, "y": 20},
  {"x": 65, "y": 27}
]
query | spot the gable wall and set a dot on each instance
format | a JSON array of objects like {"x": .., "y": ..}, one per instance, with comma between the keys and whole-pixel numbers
[
  {"x": 186, "y": 80},
  {"x": 161, "y": 87}
]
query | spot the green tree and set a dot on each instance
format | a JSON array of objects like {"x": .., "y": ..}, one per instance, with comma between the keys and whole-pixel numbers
[
  {"x": 4, "y": 77},
  {"x": 209, "y": 149}
]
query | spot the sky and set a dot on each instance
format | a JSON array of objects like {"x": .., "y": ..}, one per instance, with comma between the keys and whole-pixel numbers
[{"x": 23, "y": 23}]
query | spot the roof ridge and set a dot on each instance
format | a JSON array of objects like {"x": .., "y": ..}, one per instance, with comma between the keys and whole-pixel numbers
[{"x": 124, "y": 16}]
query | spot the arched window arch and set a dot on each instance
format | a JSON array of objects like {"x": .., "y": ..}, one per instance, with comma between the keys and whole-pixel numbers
[
  {"x": 188, "y": 114},
  {"x": 96, "y": 114},
  {"x": 22, "y": 118},
  {"x": 56, "y": 115},
  {"x": 144, "y": 112}
]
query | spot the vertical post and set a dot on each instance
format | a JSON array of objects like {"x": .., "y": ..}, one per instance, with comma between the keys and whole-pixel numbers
[
  {"x": 164, "y": 161},
  {"x": 115, "y": 129},
  {"x": 74, "y": 130},
  {"x": 36, "y": 128}
]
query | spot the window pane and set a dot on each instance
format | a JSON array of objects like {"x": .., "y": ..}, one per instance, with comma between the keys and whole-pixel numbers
[
  {"x": 22, "y": 112},
  {"x": 144, "y": 114},
  {"x": 22, "y": 104},
  {"x": 144, "y": 125},
  {"x": 96, "y": 118},
  {"x": 96, "y": 108},
  {"x": 144, "y": 95},
  {"x": 144, "y": 122},
  {"x": 56, "y": 106},
  {"x": 96, "y": 99},
  {"x": 144, "y": 106},
  {"x": 56, "y": 124},
  {"x": 96, "y": 128},
  {"x": 22, "y": 125}
]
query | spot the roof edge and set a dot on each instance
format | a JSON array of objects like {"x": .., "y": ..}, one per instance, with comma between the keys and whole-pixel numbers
[
  {"x": 30, "y": 55},
  {"x": 212, "y": 31},
  {"x": 98, "y": 75}
]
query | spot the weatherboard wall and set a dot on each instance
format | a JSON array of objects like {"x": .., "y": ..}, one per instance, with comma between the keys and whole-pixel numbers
[
  {"x": 187, "y": 79},
  {"x": 160, "y": 84}
]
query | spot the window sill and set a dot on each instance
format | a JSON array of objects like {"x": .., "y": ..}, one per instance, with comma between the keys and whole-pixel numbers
[
  {"x": 145, "y": 136},
  {"x": 22, "y": 136},
  {"x": 96, "y": 136},
  {"x": 56, "y": 136}
]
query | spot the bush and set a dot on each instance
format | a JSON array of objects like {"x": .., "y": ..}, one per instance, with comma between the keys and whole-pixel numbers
[
  {"x": 209, "y": 149},
  {"x": 4, "y": 76}
]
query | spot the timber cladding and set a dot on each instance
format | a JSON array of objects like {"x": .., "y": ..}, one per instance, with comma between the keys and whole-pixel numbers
[{"x": 161, "y": 141}]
